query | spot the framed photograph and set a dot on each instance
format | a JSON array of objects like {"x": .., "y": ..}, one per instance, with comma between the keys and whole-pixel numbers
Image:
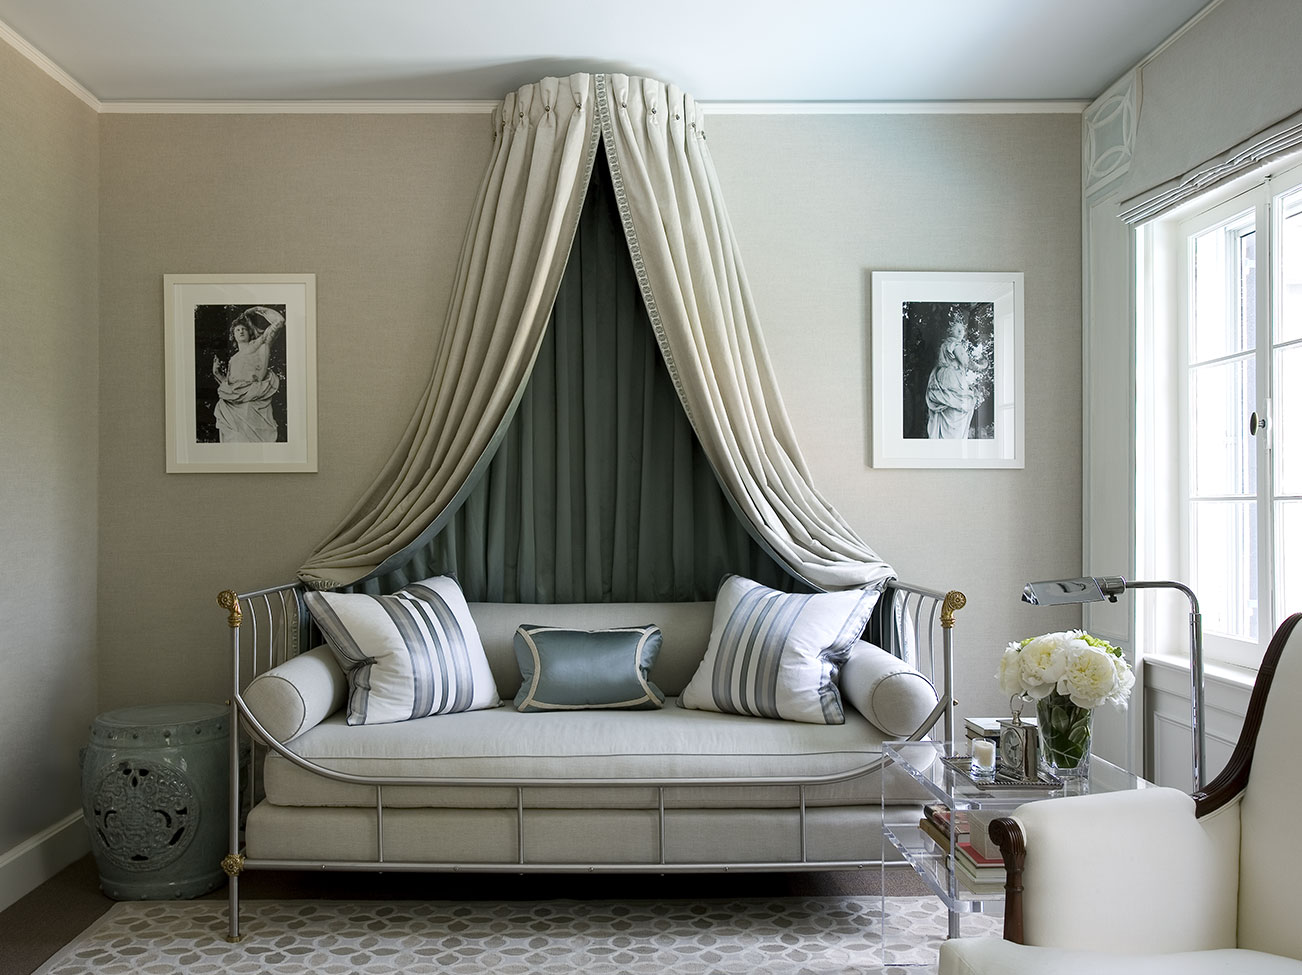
[
  {"x": 947, "y": 369},
  {"x": 240, "y": 358}
]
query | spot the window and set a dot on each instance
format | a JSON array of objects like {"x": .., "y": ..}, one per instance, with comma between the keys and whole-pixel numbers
[{"x": 1232, "y": 274}]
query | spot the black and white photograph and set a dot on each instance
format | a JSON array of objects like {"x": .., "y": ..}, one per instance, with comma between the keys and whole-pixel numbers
[
  {"x": 241, "y": 372},
  {"x": 240, "y": 375},
  {"x": 949, "y": 359},
  {"x": 947, "y": 369}
]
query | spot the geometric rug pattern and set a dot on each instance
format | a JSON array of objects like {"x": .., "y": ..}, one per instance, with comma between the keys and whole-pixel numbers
[{"x": 760, "y": 936}]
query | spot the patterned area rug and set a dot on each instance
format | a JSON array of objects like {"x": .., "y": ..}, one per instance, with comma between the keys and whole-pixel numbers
[{"x": 782, "y": 936}]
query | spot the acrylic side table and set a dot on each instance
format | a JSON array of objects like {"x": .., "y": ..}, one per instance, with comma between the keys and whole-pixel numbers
[
  {"x": 925, "y": 762},
  {"x": 154, "y": 789}
]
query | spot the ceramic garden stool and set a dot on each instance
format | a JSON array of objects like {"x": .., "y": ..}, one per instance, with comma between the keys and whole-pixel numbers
[{"x": 154, "y": 791}]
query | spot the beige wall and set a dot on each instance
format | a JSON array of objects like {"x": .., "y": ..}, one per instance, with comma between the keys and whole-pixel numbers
[
  {"x": 49, "y": 444},
  {"x": 376, "y": 206},
  {"x": 838, "y": 197}
]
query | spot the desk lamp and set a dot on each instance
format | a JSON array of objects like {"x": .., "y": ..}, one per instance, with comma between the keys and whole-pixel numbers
[{"x": 1092, "y": 590}]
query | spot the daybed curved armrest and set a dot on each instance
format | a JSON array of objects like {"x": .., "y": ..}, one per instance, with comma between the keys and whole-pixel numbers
[
  {"x": 299, "y": 694},
  {"x": 895, "y": 697},
  {"x": 1122, "y": 871}
]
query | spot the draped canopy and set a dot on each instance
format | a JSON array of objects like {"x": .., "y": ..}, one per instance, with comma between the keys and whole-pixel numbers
[{"x": 689, "y": 271}]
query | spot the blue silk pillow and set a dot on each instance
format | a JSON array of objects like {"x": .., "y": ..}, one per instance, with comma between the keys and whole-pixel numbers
[{"x": 570, "y": 670}]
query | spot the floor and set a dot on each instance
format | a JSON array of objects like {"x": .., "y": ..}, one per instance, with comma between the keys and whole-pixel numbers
[{"x": 53, "y": 914}]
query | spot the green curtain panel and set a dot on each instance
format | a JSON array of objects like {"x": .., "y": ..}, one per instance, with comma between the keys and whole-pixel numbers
[{"x": 599, "y": 490}]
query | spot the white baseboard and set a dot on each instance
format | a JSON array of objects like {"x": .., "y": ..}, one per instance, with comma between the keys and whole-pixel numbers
[{"x": 34, "y": 861}]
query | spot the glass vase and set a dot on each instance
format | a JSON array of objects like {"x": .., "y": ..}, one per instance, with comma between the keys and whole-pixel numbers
[{"x": 1064, "y": 731}]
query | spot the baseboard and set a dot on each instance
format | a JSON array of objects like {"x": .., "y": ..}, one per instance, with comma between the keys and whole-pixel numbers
[{"x": 34, "y": 861}]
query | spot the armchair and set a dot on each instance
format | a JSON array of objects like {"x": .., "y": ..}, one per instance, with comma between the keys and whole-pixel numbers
[{"x": 1156, "y": 881}]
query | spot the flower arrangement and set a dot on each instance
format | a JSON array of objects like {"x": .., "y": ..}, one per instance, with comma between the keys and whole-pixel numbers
[
  {"x": 1067, "y": 674},
  {"x": 1071, "y": 664}
]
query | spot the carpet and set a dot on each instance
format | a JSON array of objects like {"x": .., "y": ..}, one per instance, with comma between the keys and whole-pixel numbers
[{"x": 761, "y": 936}]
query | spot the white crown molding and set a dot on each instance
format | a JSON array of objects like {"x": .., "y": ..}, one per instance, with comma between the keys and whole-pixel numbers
[
  {"x": 896, "y": 108},
  {"x": 715, "y": 109},
  {"x": 23, "y": 47},
  {"x": 300, "y": 108}
]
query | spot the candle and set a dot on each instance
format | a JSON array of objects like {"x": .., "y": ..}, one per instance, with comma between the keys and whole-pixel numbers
[{"x": 983, "y": 753}]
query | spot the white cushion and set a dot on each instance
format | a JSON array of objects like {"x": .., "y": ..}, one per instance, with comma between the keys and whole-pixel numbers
[
  {"x": 993, "y": 956},
  {"x": 409, "y": 655},
  {"x": 297, "y": 695},
  {"x": 895, "y": 697},
  {"x": 1130, "y": 871},
  {"x": 669, "y": 743},
  {"x": 775, "y": 654}
]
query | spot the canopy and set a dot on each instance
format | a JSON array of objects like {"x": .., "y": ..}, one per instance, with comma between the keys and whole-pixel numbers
[{"x": 688, "y": 268}]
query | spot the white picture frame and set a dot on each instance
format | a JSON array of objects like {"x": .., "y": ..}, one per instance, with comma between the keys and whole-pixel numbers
[
  {"x": 268, "y": 392},
  {"x": 947, "y": 369}
]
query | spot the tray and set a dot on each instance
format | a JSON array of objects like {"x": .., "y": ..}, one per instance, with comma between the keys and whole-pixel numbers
[{"x": 1001, "y": 779}]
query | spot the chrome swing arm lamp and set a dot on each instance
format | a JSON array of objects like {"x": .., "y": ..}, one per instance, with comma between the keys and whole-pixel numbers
[{"x": 1095, "y": 589}]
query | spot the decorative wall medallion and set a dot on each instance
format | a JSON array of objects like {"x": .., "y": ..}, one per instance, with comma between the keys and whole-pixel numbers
[
  {"x": 142, "y": 815},
  {"x": 1110, "y": 125}
]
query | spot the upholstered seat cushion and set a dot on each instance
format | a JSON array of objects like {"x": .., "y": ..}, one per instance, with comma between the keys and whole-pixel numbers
[
  {"x": 984, "y": 956},
  {"x": 673, "y": 742}
]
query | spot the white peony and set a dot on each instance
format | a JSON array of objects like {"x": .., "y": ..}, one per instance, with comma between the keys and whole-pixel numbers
[
  {"x": 1090, "y": 677},
  {"x": 1071, "y": 662},
  {"x": 1043, "y": 662},
  {"x": 1010, "y": 670}
]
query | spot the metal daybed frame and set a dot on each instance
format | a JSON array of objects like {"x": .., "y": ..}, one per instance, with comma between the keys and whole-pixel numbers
[{"x": 278, "y": 627}]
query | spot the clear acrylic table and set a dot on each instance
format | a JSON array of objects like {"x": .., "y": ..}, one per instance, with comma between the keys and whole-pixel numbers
[{"x": 945, "y": 779}]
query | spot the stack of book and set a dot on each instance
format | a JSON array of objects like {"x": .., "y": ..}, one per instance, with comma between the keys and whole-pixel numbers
[{"x": 975, "y": 872}]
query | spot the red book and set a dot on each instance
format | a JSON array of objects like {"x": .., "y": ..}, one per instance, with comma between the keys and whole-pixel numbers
[{"x": 969, "y": 851}]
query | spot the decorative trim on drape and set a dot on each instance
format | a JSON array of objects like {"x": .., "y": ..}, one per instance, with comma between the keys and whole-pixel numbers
[
  {"x": 689, "y": 265},
  {"x": 1282, "y": 138},
  {"x": 511, "y": 265},
  {"x": 690, "y": 272}
]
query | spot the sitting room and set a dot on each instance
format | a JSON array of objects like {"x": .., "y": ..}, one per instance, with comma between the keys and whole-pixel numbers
[{"x": 571, "y": 489}]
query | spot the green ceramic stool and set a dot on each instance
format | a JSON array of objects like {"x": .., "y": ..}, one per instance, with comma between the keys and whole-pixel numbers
[{"x": 155, "y": 787}]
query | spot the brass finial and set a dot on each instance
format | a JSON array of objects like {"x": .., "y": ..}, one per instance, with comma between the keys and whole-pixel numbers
[
  {"x": 228, "y": 600},
  {"x": 954, "y": 601}
]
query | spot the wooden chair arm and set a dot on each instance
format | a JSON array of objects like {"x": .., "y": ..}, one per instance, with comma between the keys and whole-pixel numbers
[{"x": 1007, "y": 834}]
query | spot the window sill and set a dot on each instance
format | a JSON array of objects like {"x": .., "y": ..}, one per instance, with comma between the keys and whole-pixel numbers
[{"x": 1221, "y": 673}]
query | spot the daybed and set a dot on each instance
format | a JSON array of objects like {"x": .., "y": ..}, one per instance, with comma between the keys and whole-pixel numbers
[{"x": 669, "y": 789}]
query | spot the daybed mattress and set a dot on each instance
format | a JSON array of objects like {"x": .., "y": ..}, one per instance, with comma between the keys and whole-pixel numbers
[{"x": 670, "y": 743}]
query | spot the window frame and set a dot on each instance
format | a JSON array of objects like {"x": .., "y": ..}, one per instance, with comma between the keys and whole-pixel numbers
[{"x": 1163, "y": 291}]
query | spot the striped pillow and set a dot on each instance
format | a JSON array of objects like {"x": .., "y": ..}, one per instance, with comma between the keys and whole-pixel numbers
[
  {"x": 776, "y": 654},
  {"x": 408, "y": 655}
]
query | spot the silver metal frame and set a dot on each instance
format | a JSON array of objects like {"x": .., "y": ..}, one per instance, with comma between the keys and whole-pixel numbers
[{"x": 277, "y": 626}]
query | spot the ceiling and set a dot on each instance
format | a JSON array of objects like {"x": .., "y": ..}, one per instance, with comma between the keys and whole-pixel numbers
[{"x": 718, "y": 50}]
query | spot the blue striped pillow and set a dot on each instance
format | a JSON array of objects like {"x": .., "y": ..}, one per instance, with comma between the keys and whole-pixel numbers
[
  {"x": 409, "y": 655},
  {"x": 776, "y": 654}
]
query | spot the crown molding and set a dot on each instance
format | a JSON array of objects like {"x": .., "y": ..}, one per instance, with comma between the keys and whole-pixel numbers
[
  {"x": 38, "y": 58},
  {"x": 299, "y": 108},
  {"x": 896, "y": 108}
]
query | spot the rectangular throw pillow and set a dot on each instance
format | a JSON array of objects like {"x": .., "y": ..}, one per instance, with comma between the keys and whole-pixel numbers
[
  {"x": 408, "y": 655},
  {"x": 569, "y": 670},
  {"x": 776, "y": 654}
]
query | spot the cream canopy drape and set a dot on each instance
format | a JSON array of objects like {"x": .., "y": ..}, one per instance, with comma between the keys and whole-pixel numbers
[{"x": 692, "y": 280}]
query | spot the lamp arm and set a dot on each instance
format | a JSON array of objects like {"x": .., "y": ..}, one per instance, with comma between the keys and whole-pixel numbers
[{"x": 1195, "y": 673}]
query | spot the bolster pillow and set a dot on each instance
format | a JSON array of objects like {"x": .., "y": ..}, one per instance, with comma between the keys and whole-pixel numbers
[
  {"x": 297, "y": 695},
  {"x": 895, "y": 697}
]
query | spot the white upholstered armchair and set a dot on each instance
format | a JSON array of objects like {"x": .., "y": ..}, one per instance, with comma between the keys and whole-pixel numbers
[{"x": 1156, "y": 881}]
